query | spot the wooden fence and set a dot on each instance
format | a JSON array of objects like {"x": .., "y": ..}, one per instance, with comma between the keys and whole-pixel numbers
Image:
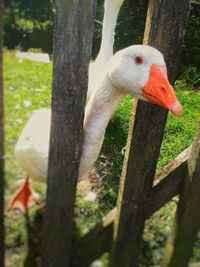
[{"x": 142, "y": 192}]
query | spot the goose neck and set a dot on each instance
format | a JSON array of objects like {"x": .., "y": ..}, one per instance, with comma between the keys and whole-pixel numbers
[
  {"x": 98, "y": 113},
  {"x": 111, "y": 11}
]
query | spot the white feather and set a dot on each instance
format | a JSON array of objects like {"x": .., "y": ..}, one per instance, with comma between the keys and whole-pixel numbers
[{"x": 32, "y": 147}]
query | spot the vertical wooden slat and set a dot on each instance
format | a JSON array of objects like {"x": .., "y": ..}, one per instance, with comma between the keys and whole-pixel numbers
[
  {"x": 165, "y": 27},
  {"x": 73, "y": 31},
  {"x": 1, "y": 142},
  {"x": 180, "y": 247}
]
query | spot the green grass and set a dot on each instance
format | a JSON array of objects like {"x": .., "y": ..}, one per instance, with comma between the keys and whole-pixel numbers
[{"x": 28, "y": 87}]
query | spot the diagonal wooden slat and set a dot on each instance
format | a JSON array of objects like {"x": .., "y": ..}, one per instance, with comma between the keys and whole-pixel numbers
[
  {"x": 92, "y": 245},
  {"x": 98, "y": 241},
  {"x": 168, "y": 181}
]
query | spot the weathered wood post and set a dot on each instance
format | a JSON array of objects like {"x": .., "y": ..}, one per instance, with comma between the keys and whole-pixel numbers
[
  {"x": 73, "y": 33},
  {"x": 1, "y": 142},
  {"x": 165, "y": 27},
  {"x": 180, "y": 246}
]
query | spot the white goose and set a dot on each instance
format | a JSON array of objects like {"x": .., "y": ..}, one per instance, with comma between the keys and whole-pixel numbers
[
  {"x": 111, "y": 11},
  {"x": 137, "y": 70}
]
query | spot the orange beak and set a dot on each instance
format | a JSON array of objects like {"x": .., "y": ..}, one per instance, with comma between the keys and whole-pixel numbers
[{"x": 159, "y": 91}]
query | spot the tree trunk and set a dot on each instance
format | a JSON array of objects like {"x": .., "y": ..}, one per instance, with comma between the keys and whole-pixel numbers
[
  {"x": 165, "y": 27},
  {"x": 1, "y": 142},
  {"x": 73, "y": 33}
]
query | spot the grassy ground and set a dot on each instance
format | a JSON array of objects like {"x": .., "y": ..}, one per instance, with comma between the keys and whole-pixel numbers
[{"x": 27, "y": 87}]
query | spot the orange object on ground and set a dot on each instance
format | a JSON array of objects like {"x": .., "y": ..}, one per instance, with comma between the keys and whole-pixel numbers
[{"x": 24, "y": 198}]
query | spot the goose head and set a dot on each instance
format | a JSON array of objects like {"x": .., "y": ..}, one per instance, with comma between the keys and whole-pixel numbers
[{"x": 141, "y": 71}]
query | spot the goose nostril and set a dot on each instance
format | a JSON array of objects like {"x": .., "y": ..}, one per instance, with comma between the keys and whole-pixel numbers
[{"x": 163, "y": 89}]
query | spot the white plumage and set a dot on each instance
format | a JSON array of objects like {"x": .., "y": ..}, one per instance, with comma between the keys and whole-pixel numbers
[
  {"x": 122, "y": 75},
  {"x": 32, "y": 147}
]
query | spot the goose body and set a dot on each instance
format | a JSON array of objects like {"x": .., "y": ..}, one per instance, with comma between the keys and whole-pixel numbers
[{"x": 32, "y": 146}]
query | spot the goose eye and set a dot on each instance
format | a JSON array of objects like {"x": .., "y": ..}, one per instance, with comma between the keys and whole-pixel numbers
[{"x": 138, "y": 60}]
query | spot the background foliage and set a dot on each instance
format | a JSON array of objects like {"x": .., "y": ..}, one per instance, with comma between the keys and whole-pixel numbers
[{"x": 29, "y": 24}]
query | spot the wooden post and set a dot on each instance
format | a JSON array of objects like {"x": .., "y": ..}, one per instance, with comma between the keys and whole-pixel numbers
[
  {"x": 73, "y": 31},
  {"x": 1, "y": 142},
  {"x": 165, "y": 27},
  {"x": 180, "y": 247}
]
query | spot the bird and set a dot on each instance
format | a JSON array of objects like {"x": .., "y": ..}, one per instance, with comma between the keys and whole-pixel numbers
[
  {"x": 138, "y": 70},
  {"x": 111, "y": 12}
]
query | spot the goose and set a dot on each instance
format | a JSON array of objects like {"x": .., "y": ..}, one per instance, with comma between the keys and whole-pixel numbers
[
  {"x": 138, "y": 70},
  {"x": 111, "y": 12}
]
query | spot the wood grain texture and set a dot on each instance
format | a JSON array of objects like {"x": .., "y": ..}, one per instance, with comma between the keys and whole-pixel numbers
[
  {"x": 98, "y": 241},
  {"x": 167, "y": 185},
  {"x": 1, "y": 142},
  {"x": 73, "y": 31},
  {"x": 180, "y": 247},
  {"x": 168, "y": 182},
  {"x": 165, "y": 27}
]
